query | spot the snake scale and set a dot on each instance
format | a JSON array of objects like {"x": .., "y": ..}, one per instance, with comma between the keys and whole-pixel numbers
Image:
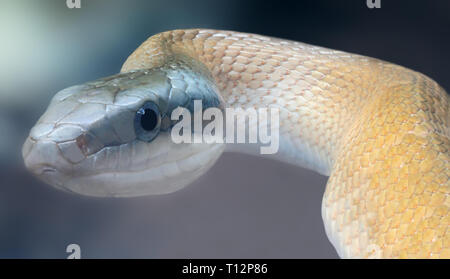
[{"x": 378, "y": 130}]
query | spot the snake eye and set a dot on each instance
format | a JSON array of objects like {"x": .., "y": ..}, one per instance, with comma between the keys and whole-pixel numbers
[{"x": 147, "y": 122}]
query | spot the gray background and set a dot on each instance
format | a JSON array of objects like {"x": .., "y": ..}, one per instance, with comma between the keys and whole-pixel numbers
[{"x": 245, "y": 206}]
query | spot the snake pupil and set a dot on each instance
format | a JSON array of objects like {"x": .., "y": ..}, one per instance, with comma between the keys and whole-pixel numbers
[{"x": 149, "y": 120}]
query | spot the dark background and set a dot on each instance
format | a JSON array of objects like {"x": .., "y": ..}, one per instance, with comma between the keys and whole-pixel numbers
[{"x": 244, "y": 207}]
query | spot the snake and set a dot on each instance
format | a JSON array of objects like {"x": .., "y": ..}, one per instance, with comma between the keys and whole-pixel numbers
[{"x": 379, "y": 131}]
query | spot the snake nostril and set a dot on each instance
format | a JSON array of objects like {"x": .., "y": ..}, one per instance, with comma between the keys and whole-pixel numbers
[
  {"x": 48, "y": 170},
  {"x": 44, "y": 170}
]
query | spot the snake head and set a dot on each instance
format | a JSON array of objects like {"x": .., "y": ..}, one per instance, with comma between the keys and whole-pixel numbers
[{"x": 112, "y": 136}]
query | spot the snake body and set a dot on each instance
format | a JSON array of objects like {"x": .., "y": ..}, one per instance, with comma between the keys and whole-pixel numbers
[{"x": 378, "y": 130}]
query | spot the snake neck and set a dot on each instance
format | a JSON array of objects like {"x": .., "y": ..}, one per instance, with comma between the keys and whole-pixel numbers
[{"x": 318, "y": 91}]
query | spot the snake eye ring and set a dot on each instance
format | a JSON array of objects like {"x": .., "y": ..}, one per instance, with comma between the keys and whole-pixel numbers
[{"x": 147, "y": 122}]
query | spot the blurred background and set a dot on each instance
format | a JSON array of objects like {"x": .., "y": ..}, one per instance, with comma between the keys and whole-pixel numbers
[{"x": 244, "y": 207}]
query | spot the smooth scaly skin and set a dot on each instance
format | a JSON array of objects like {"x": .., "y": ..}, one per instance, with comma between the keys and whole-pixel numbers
[{"x": 379, "y": 130}]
